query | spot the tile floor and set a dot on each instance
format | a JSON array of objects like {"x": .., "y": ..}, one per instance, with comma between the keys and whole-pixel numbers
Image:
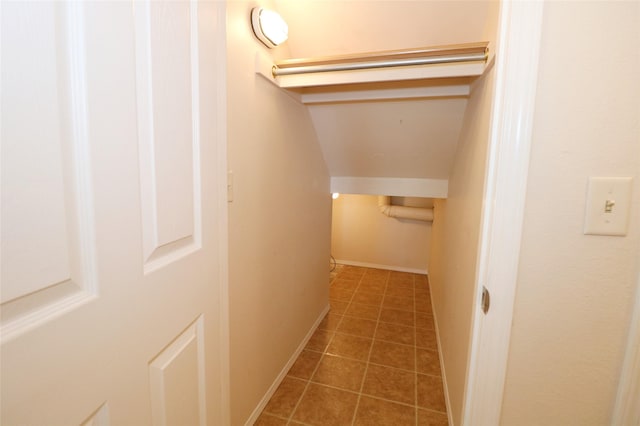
[{"x": 372, "y": 361}]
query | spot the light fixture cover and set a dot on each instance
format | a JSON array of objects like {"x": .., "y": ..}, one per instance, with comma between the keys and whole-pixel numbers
[{"x": 269, "y": 27}]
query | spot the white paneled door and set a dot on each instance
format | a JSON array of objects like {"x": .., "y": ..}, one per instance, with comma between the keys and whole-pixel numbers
[{"x": 111, "y": 212}]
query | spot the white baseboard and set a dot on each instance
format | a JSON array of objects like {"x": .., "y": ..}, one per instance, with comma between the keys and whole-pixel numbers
[
  {"x": 267, "y": 396},
  {"x": 377, "y": 266},
  {"x": 447, "y": 401}
]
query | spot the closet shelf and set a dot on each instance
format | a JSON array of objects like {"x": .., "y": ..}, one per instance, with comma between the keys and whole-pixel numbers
[{"x": 426, "y": 72}]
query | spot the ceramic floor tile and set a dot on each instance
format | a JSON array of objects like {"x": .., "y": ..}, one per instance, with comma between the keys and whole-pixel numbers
[
  {"x": 399, "y": 291},
  {"x": 362, "y": 311},
  {"x": 376, "y": 412},
  {"x": 337, "y": 306},
  {"x": 430, "y": 393},
  {"x": 305, "y": 364},
  {"x": 425, "y": 320},
  {"x": 340, "y": 294},
  {"x": 395, "y": 316},
  {"x": 286, "y": 397},
  {"x": 357, "y": 326},
  {"x": 340, "y": 372},
  {"x": 344, "y": 284},
  {"x": 321, "y": 405},
  {"x": 378, "y": 338},
  {"x": 350, "y": 346},
  {"x": 393, "y": 355},
  {"x": 390, "y": 383},
  {"x": 431, "y": 418},
  {"x": 426, "y": 338},
  {"x": 401, "y": 303},
  {"x": 330, "y": 321},
  {"x": 395, "y": 333},
  {"x": 427, "y": 362},
  {"x": 269, "y": 420},
  {"x": 367, "y": 298},
  {"x": 319, "y": 340},
  {"x": 373, "y": 286}
]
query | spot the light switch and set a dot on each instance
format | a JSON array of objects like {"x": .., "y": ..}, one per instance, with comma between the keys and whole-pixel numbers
[{"x": 608, "y": 205}]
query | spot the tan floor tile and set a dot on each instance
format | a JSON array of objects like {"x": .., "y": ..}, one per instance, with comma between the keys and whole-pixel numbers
[
  {"x": 401, "y": 276},
  {"x": 431, "y": 418},
  {"x": 269, "y": 420},
  {"x": 286, "y": 397},
  {"x": 425, "y": 320},
  {"x": 367, "y": 298},
  {"x": 393, "y": 355},
  {"x": 396, "y": 333},
  {"x": 344, "y": 284},
  {"x": 395, "y": 302},
  {"x": 422, "y": 280},
  {"x": 427, "y": 362},
  {"x": 305, "y": 364},
  {"x": 430, "y": 393},
  {"x": 373, "y": 286},
  {"x": 340, "y": 372},
  {"x": 363, "y": 311},
  {"x": 350, "y": 346},
  {"x": 375, "y": 412},
  {"x": 321, "y": 405},
  {"x": 403, "y": 284},
  {"x": 372, "y": 272},
  {"x": 422, "y": 292},
  {"x": 340, "y": 294},
  {"x": 319, "y": 340},
  {"x": 399, "y": 291},
  {"x": 357, "y": 326},
  {"x": 426, "y": 338},
  {"x": 423, "y": 305},
  {"x": 337, "y": 306},
  {"x": 330, "y": 321},
  {"x": 395, "y": 316},
  {"x": 390, "y": 383},
  {"x": 350, "y": 274}
]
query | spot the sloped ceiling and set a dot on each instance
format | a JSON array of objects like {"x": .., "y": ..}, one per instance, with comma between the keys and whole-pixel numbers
[{"x": 409, "y": 139}]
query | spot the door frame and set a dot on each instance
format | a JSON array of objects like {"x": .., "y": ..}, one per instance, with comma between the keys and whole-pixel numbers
[
  {"x": 519, "y": 34},
  {"x": 222, "y": 210},
  {"x": 626, "y": 410}
]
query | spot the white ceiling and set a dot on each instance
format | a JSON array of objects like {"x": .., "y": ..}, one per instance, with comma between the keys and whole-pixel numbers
[{"x": 385, "y": 139}]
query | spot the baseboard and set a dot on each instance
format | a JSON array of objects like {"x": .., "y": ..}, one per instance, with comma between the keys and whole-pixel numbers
[
  {"x": 447, "y": 401},
  {"x": 377, "y": 266},
  {"x": 267, "y": 396}
]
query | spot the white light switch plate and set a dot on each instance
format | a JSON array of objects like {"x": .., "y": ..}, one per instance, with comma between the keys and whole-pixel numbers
[{"x": 608, "y": 205}]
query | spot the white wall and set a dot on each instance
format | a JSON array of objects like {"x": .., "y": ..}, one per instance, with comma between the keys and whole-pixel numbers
[
  {"x": 279, "y": 222},
  {"x": 456, "y": 230},
  {"x": 361, "y": 235},
  {"x": 574, "y": 292}
]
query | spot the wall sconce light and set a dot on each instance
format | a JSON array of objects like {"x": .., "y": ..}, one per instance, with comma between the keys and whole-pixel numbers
[
  {"x": 269, "y": 27},
  {"x": 335, "y": 195}
]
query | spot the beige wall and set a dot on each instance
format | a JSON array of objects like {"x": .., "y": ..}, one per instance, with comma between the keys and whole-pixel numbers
[
  {"x": 456, "y": 230},
  {"x": 575, "y": 291},
  {"x": 279, "y": 222},
  {"x": 360, "y": 234}
]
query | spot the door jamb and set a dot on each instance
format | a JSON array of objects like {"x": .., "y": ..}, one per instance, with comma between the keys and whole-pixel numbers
[
  {"x": 627, "y": 405},
  {"x": 519, "y": 35}
]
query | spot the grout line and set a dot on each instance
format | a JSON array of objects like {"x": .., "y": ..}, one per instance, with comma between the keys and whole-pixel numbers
[
  {"x": 366, "y": 368},
  {"x": 324, "y": 352}
]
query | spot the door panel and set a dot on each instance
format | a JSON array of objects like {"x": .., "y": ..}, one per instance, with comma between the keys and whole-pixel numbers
[
  {"x": 168, "y": 129},
  {"x": 110, "y": 213}
]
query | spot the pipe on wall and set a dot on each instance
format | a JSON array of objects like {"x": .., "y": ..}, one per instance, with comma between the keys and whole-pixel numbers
[{"x": 402, "y": 212}]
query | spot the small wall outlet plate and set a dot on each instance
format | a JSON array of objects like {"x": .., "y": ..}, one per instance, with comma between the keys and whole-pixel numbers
[{"x": 608, "y": 205}]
